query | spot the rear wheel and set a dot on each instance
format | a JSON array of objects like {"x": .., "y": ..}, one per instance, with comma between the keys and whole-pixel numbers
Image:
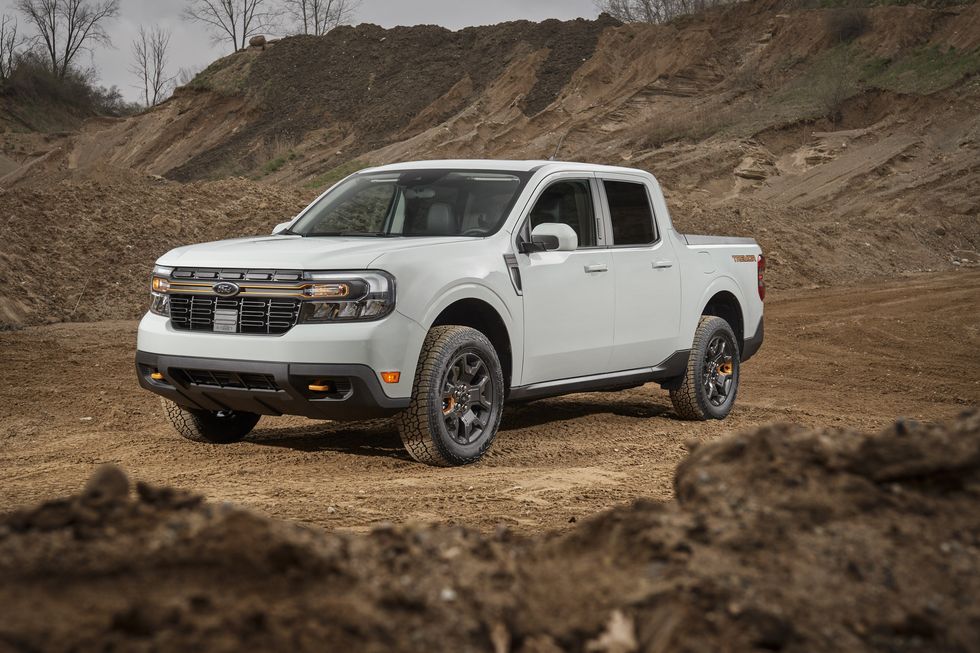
[
  {"x": 457, "y": 398},
  {"x": 710, "y": 383},
  {"x": 214, "y": 427}
]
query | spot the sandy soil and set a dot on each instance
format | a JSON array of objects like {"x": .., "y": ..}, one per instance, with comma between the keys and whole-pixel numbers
[{"x": 858, "y": 356}]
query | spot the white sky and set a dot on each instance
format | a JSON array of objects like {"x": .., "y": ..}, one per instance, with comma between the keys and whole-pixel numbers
[{"x": 191, "y": 45}]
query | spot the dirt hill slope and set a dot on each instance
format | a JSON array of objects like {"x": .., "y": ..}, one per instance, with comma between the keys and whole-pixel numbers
[
  {"x": 847, "y": 159},
  {"x": 782, "y": 539},
  {"x": 342, "y": 95}
]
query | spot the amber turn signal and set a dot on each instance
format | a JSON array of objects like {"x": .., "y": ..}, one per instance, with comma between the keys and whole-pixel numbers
[
  {"x": 160, "y": 284},
  {"x": 328, "y": 290},
  {"x": 391, "y": 377}
]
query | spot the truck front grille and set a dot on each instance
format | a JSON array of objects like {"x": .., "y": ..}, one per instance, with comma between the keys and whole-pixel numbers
[{"x": 258, "y": 315}]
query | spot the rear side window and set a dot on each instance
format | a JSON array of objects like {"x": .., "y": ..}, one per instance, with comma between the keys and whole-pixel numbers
[
  {"x": 568, "y": 202},
  {"x": 630, "y": 212}
]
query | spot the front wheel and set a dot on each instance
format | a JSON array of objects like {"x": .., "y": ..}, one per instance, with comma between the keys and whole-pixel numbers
[
  {"x": 213, "y": 427},
  {"x": 457, "y": 398},
  {"x": 710, "y": 383}
]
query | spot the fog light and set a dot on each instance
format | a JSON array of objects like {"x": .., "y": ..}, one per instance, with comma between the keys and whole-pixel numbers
[
  {"x": 321, "y": 386},
  {"x": 391, "y": 377},
  {"x": 156, "y": 376}
]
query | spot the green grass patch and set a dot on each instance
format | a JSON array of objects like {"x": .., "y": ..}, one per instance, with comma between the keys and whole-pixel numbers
[
  {"x": 922, "y": 71},
  {"x": 273, "y": 165},
  {"x": 331, "y": 177},
  {"x": 842, "y": 72}
]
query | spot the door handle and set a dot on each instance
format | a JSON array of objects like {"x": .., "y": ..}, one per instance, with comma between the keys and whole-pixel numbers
[
  {"x": 661, "y": 265},
  {"x": 601, "y": 267}
]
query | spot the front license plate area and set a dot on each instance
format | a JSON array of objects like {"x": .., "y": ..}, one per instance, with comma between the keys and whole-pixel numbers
[{"x": 225, "y": 320}]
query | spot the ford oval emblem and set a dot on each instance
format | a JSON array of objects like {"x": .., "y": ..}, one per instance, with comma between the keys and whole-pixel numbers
[{"x": 226, "y": 289}]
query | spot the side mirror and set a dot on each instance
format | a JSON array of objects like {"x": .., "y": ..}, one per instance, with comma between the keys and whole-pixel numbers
[
  {"x": 281, "y": 227},
  {"x": 552, "y": 236}
]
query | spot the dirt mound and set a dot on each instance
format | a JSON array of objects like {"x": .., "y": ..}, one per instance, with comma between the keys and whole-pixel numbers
[
  {"x": 781, "y": 539},
  {"x": 345, "y": 94},
  {"x": 83, "y": 249}
]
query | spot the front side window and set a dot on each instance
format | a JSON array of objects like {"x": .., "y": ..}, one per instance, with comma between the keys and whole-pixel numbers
[
  {"x": 630, "y": 213},
  {"x": 568, "y": 202},
  {"x": 415, "y": 203}
]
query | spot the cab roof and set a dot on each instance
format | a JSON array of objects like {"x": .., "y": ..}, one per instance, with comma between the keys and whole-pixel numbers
[{"x": 501, "y": 164}]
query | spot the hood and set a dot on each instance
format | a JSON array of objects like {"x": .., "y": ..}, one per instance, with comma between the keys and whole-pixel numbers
[{"x": 294, "y": 252}]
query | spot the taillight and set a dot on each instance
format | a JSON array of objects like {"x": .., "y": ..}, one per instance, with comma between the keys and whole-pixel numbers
[{"x": 762, "y": 277}]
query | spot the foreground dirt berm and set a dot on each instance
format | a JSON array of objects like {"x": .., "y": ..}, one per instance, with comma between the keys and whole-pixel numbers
[{"x": 780, "y": 539}]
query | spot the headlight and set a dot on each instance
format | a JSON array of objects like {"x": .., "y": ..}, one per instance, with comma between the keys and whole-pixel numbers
[
  {"x": 160, "y": 284},
  {"x": 348, "y": 296},
  {"x": 160, "y": 305}
]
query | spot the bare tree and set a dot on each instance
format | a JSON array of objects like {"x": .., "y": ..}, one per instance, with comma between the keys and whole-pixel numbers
[
  {"x": 654, "y": 11},
  {"x": 67, "y": 27},
  {"x": 232, "y": 20},
  {"x": 150, "y": 64},
  {"x": 317, "y": 17},
  {"x": 11, "y": 45}
]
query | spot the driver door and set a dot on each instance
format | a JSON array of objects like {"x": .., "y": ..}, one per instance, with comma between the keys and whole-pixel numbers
[{"x": 569, "y": 296}]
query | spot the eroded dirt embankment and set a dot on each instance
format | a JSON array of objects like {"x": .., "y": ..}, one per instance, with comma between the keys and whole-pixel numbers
[{"x": 780, "y": 539}]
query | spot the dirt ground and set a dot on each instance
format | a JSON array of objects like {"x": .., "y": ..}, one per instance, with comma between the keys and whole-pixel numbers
[
  {"x": 856, "y": 356},
  {"x": 780, "y": 539}
]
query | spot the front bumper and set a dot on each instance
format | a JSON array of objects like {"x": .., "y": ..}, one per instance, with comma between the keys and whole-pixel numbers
[
  {"x": 390, "y": 344},
  {"x": 268, "y": 388}
]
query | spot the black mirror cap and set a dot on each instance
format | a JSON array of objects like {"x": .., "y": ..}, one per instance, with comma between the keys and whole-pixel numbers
[
  {"x": 546, "y": 242},
  {"x": 529, "y": 248}
]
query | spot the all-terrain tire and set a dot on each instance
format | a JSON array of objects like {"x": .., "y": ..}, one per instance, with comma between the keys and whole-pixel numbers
[
  {"x": 423, "y": 425},
  {"x": 693, "y": 400},
  {"x": 206, "y": 426}
]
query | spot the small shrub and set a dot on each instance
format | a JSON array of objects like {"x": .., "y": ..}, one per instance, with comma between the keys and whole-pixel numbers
[
  {"x": 46, "y": 102},
  {"x": 845, "y": 25},
  {"x": 276, "y": 151},
  {"x": 838, "y": 83}
]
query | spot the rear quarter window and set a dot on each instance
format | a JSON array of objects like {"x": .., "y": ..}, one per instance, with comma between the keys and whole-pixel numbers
[{"x": 630, "y": 213}]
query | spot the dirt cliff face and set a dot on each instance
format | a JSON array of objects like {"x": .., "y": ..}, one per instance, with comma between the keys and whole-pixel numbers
[{"x": 780, "y": 539}]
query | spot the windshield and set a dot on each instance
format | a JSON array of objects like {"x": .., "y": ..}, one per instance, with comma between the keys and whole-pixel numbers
[{"x": 415, "y": 203}]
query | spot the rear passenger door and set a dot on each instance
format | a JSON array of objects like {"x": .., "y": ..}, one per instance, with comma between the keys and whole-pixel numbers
[{"x": 647, "y": 275}]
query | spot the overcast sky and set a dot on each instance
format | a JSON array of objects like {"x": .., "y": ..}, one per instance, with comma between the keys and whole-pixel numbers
[{"x": 191, "y": 45}]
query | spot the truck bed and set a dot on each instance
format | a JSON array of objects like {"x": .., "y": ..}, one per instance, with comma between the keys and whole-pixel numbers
[{"x": 696, "y": 240}]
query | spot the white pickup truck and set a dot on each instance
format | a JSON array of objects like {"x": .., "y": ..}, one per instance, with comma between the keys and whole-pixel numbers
[{"x": 434, "y": 292}]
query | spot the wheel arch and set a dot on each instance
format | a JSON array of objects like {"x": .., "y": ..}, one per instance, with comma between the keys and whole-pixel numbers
[
  {"x": 726, "y": 305},
  {"x": 479, "y": 314}
]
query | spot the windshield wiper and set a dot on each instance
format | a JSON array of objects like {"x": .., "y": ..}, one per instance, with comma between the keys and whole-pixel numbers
[{"x": 353, "y": 234}]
